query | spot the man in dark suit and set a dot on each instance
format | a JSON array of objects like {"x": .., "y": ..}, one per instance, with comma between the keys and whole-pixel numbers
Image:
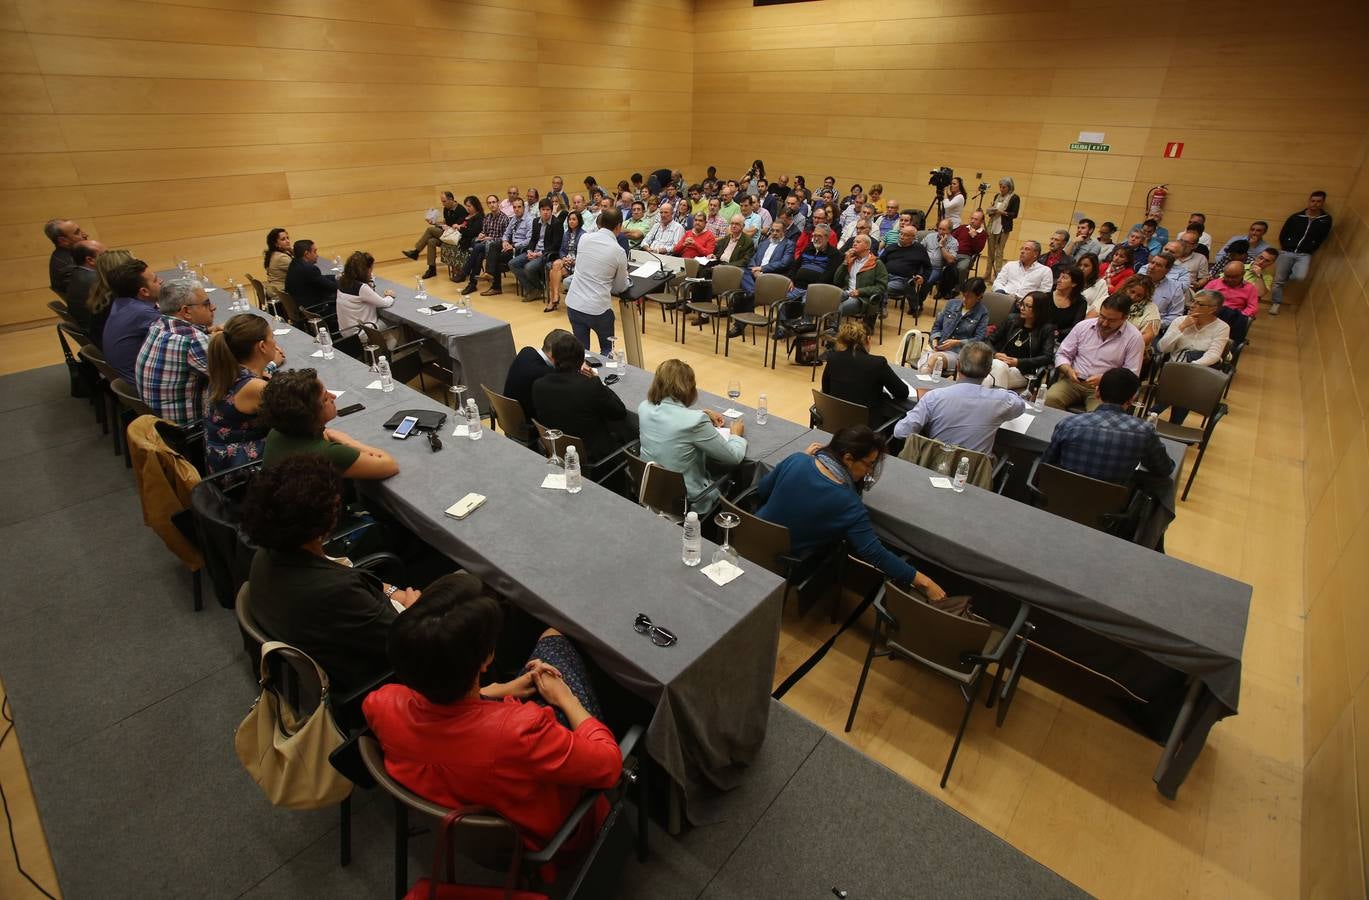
[
  {"x": 79, "y": 283},
  {"x": 305, "y": 284},
  {"x": 528, "y": 366},
  {"x": 529, "y": 264},
  {"x": 579, "y": 404}
]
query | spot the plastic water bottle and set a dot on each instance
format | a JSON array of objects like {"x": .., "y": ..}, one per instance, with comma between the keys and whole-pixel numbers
[
  {"x": 693, "y": 543},
  {"x": 421, "y": 293},
  {"x": 387, "y": 383},
  {"x": 242, "y": 299},
  {"x": 962, "y": 474},
  {"x": 939, "y": 366},
  {"x": 762, "y": 410},
  {"x": 474, "y": 429},
  {"x": 326, "y": 342},
  {"x": 573, "y": 481},
  {"x": 1154, "y": 419},
  {"x": 1041, "y": 395}
]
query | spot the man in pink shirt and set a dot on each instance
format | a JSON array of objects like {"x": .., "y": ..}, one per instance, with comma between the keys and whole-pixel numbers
[
  {"x": 1240, "y": 299},
  {"x": 1092, "y": 348}
]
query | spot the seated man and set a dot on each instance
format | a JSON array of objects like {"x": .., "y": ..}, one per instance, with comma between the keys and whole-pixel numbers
[
  {"x": 1091, "y": 349},
  {"x": 819, "y": 218},
  {"x": 1199, "y": 337},
  {"x": 966, "y": 414},
  {"x": 458, "y": 743},
  {"x": 1108, "y": 443},
  {"x": 453, "y": 214},
  {"x": 297, "y": 406},
  {"x": 64, "y": 235},
  {"x": 774, "y": 253},
  {"x": 887, "y": 225},
  {"x": 80, "y": 282},
  {"x": 1169, "y": 294},
  {"x": 862, "y": 278},
  {"x": 970, "y": 239},
  {"x": 528, "y": 366},
  {"x": 339, "y": 615},
  {"x": 1260, "y": 272},
  {"x": 578, "y": 404},
  {"x": 173, "y": 364},
  {"x": 136, "y": 289},
  {"x": 665, "y": 234},
  {"x": 909, "y": 266},
  {"x": 1195, "y": 264},
  {"x": 1255, "y": 244},
  {"x": 499, "y": 253},
  {"x": 736, "y": 247},
  {"x": 1136, "y": 242},
  {"x": 1240, "y": 299},
  {"x": 529, "y": 266},
  {"x": 699, "y": 241},
  {"x": 1083, "y": 240},
  {"x": 636, "y": 226},
  {"x": 1055, "y": 258},
  {"x": 305, "y": 284},
  {"x": 1025, "y": 275}
]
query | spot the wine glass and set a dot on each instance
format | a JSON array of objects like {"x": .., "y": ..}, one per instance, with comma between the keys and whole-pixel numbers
[
  {"x": 555, "y": 465},
  {"x": 371, "y": 356},
  {"x": 337, "y": 263},
  {"x": 734, "y": 388},
  {"x": 458, "y": 394},
  {"x": 726, "y": 521}
]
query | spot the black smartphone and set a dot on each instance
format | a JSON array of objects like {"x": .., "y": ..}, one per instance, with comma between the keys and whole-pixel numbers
[
  {"x": 611, "y": 379},
  {"x": 348, "y": 410}
]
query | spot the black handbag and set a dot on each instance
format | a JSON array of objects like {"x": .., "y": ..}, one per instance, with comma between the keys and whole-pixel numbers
[{"x": 428, "y": 420}]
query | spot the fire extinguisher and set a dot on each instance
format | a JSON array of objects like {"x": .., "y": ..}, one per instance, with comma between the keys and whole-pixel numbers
[{"x": 1155, "y": 200}]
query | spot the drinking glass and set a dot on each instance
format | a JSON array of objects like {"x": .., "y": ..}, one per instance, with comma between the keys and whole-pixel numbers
[
  {"x": 458, "y": 394},
  {"x": 726, "y": 521},
  {"x": 734, "y": 388},
  {"x": 554, "y": 462},
  {"x": 371, "y": 356}
]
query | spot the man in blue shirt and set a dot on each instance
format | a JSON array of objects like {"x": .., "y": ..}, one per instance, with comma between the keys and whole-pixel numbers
[
  {"x": 966, "y": 414},
  {"x": 1108, "y": 443},
  {"x": 136, "y": 289}
]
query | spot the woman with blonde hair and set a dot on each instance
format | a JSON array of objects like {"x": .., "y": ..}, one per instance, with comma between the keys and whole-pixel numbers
[
  {"x": 682, "y": 439},
  {"x": 856, "y": 375},
  {"x": 101, "y": 298},
  {"x": 241, "y": 358}
]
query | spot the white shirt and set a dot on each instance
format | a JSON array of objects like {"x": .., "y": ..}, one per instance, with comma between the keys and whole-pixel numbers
[
  {"x": 1210, "y": 340},
  {"x": 1097, "y": 294},
  {"x": 353, "y": 309},
  {"x": 770, "y": 249},
  {"x": 663, "y": 238},
  {"x": 953, "y": 207},
  {"x": 600, "y": 272},
  {"x": 856, "y": 266},
  {"x": 1018, "y": 281}
]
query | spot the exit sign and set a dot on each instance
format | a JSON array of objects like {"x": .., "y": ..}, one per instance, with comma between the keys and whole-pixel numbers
[{"x": 1090, "y": 146}]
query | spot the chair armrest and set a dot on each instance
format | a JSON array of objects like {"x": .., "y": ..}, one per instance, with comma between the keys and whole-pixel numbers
[
  {"x": 1001, "y": 472},
  {"x": 1019, "y": 622},
  {"x": 413, "y": 345},
  {"x": 1031, "y": 480},
  {"x": 577, "y": 815}
]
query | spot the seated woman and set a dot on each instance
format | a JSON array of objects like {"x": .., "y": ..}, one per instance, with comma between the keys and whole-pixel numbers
[
  {"x": 855, "y": 375},
  {"x": 339, "y": 615},
  {"x": 565, "y": 263},
  {"x": 579, "y": 404},
  {"x": 242, "y": 358},
  {"x": 1024, "y": 345},
  {"x": 1068, "y": 306},
  {"x": 297, "y": 406},
  {"x": 682, "y": 439},
  {"x": 1144, "y": 314},
  {"x": 960, "y": 320},
  {"x": 454, "y": 742},
  {"x": 816, "y": 495},
  {"x": 357, "y": 300},
  {"x": 1118, "y": 271},
  {"x": 1096, "y": 288},
  {"x": 276, "y": 262}
]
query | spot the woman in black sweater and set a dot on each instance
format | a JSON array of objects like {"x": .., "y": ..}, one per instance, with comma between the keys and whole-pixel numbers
[
  {"x": 856, "y": 375},
  {"x": 1025, "y": 344}
]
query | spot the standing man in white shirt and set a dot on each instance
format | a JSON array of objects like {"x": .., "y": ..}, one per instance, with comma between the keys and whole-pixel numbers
[
  {"x": 1026, "y": 275},
  {"x": 600, "y": 272}
]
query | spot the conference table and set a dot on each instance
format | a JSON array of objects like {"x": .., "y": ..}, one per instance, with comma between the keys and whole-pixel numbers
[{"x": 585, "y": 564}]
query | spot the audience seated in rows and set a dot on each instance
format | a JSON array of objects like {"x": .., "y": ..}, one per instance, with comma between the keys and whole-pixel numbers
[
  {"x": 242, "y": 357},
  {"x": 1091, "y": 349},
  {"x": 857, "y": 376},
  {"x": 1240, "y": 299},
  {"x": 357, "y": 299},
  {"x": 862, "y": 278},
  {"x": 297, "y": 407},
  {"x": 966, "y": 414},
  {"x": 1108, "y": 443},
  {"x": 172, "y": 368},
  {"x": 543, "y": 246},
  {"x": 1168, "y": 289},
  {"x": 1024, "y": 274},
  {"x": 682, "y": 439}
]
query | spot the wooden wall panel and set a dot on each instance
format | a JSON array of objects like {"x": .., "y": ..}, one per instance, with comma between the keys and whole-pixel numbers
[{"x": 188, "y": 128}]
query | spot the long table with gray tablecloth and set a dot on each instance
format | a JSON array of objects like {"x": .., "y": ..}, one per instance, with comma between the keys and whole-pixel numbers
[{"x": 1185, "y": 617}]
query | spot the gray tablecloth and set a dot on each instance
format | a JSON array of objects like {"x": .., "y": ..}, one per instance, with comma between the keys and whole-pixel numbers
[
  {"x": 480, "y": 346},
  {"x": 1188, "y": 618},
  {"x": 587, "y": 564}
]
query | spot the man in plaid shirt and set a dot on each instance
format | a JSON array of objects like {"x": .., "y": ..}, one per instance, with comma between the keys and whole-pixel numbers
[
  {"x": 1108, "y": 443},
  {"x": 173, "y": 366}
]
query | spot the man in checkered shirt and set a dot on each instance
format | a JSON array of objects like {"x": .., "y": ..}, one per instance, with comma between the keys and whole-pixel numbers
[
  {"x": 1108, "y": 443},
  {"x": 172, "y": 369}
]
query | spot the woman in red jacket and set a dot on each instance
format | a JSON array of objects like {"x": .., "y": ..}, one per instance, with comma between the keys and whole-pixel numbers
[{"x": 454, "y": 742}]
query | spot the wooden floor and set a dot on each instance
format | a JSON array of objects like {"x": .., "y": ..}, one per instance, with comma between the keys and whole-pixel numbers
[{"x": 1065, "y": 785}]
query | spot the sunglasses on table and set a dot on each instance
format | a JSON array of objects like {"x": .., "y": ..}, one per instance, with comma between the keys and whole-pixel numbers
[{"x": 659, "y": 636}]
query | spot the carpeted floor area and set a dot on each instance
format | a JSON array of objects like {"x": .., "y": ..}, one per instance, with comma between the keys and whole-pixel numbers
[{"x": 126, "y": 702}]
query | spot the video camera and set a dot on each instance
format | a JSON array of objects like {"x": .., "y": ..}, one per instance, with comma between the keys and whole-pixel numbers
[{"x": 941, "y": 178}]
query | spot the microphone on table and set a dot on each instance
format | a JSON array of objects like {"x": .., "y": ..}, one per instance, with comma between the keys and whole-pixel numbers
[{"x": 663, "y": 274}]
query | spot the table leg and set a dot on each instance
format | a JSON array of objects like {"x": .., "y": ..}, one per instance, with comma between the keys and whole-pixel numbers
[{"x": 1199, "y": 713}]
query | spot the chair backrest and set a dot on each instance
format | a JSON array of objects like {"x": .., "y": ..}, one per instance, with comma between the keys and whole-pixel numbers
[
  {"x": 762, "y": 542},
  {"x": 259, "y": 290},
  {"x": 59, "y": 309},
  {"x": 129, "y": 397},
  {"x": 837, "y": 414},
  {"x": 509, "y": 413},
  {"x": 942, "y": 457},
  {"x": 93, "y": 355},
  {"x": 1079, "y": 498},
  {"x": 226, "y": 548},
  {"x": 691, "y": 268},
  {"x": 822, "y": 300},
  {"x": 75, "y": 333},
  {"x": 1191, "y": 386},
  {"x": 771, "y": 287},
  {"x": 632, "y": 334},
  {"x": 662, "y": 490},
  {"x": 910, "y": 348},
  {"x": 999, "y": 306},
  {"x": 932, "y": 637},
  {"x": 922, "y": 233},
  {"x": 387, "y": 339},
  {"x": 293, "y": 313},
  {"x": 566, "y": 440},
  {"x": 726, "y": 278}
]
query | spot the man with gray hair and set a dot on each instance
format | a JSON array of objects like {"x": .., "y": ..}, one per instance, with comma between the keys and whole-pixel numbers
[
  {"x": 1026, "y": 275},
  {"x": 966, "y": 414},
  {"x": 64, "y": 234},
  {"x": 173, "y": 364}
]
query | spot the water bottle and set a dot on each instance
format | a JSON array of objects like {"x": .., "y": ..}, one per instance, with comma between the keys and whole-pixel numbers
[
  {"x": 573, "y": 482},
  {"x": 242, "y": 299},
  {"x": 1154, "y": 419},
  {"x": 474, "y": 430},
  {"x": 962, "y": 473},
  {"x": 387, "y": 383},
  {"x": 421, "y": 293},
  {"x": 693, "y": 543},
  {"x": 1041, "y": 395},
  {"x": 326, "y": 341},
  {"x": 939, "y": 366},
  {"x": 762, "y": 410}
]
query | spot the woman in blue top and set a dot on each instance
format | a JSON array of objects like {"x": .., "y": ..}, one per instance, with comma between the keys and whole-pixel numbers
[
  {"x": 960, "y": 321},
  {"x": 241, "y": 358},
  {"x": 565, "y": 262},
  {"x": 816, "y": 495}
]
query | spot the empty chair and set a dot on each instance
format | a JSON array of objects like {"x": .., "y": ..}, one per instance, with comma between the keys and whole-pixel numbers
[
  {"x": 508, "y": 414},
  {"x": 832, "y": 414},
  {"x": 727, "y": 280},
  {"x": 658, "y": 489},
  {"x": 407, "y": 357},
  {"x": 671, "y": 294},
  {"x": 821, "y": 303},
  {"x": 1076, "y": 497},
  {"x": 1196, "y": 388},
  {"x": 771, "y": 289},
  {"x": 942, "y": 457},
  {"x": 961, "y": 649},
  {"x": 911, "y": 346}
]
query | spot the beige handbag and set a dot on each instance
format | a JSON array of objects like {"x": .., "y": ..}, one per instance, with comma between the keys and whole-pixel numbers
[{"x": 288, "y": 759}]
